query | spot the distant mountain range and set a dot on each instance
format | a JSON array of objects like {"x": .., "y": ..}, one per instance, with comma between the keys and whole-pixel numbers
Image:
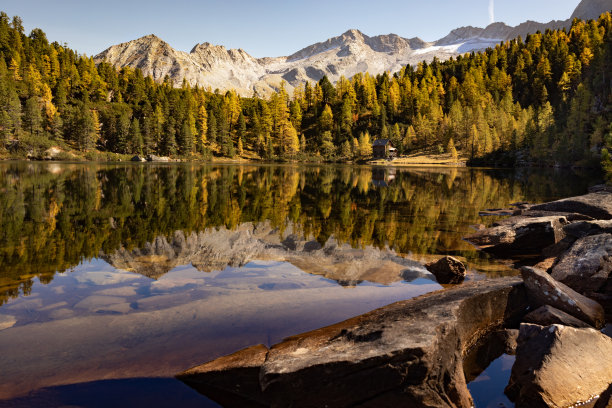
[{"x": 215, "y": 66}]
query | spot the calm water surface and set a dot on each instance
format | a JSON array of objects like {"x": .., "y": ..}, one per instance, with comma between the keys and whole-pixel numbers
[{"x": 113, "y": 278}]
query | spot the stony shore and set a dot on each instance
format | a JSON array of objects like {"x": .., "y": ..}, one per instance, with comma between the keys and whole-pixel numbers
[{"x": 417, "y": 352}]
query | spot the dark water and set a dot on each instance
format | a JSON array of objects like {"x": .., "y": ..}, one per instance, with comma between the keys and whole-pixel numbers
[{"x": 113, "y": 278}]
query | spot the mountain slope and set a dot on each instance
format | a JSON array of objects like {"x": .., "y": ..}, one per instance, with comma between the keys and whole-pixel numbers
[{"x": 216, "y": 67}]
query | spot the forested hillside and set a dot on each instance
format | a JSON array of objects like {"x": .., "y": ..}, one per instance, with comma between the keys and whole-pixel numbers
[{"x": 546, "y": 98}]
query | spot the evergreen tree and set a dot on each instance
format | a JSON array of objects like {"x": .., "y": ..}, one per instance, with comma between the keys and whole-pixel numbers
[{"x": 135, "y": 137}]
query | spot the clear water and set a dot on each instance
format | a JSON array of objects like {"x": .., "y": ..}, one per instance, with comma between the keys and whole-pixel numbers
[{"x": 114, "y": 278}]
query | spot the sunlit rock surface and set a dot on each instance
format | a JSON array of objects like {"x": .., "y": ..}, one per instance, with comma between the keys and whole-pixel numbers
[
  {"x": 559, "y": 366},
  {"x": 409, "y": 353}
]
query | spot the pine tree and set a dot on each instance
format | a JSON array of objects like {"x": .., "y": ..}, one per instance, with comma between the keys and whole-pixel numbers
[
  {"x": 327, "y": 145},
  {"x": 202, "y": 127},
  {"x": 135, "y": 137},
  {"x": 240, "y": 148},
  {"x": 450, "y": 148},
  {"x": 32, "y": 118},
  {"x": 365, "y": 145}
]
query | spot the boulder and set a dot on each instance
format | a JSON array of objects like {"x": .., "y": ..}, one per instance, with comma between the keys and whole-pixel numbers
[
  {"x": 409, "y": 353},
  {"x": 559, "y": 366},
  {"x": 587, "y": 266},
  {"x": 520, "y": 235},
  {"x": 543, "y": 289},
  {"x": 547, "y": 315},
  {"x": 447, "y": 270},
  {"x": 597, "y": 205},
  {"x": 605, "y": 399},
  {"x": 154, "y": 158},
  {"x": 585, "y": 228},
  {"x": 138, "y": 159}
]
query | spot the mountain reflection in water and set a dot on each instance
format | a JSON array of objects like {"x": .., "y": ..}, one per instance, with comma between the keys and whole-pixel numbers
[{"x": 135, "y": 271}]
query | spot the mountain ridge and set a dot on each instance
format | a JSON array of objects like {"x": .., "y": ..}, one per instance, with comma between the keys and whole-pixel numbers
[{"x": 217, "y": 67}]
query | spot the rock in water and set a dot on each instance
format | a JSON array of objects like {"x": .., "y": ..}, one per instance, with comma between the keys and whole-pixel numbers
[
  {"x": 559, "y": 366},
  {"x": 520, "y": 235},
  {"x": 542, "y": 289},
  {"x": 587, "y": 266},
  {"x": 597, "y": 205},
  {"x": 447, "y": 270},
  {"x": 548, "y": 315},
  {"x": 408, "y": 354}
]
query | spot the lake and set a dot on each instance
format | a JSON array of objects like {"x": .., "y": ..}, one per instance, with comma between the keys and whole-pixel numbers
[{"x": 115, "y": 277}]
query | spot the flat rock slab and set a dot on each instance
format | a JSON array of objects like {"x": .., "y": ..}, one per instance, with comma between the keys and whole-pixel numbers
[
  {"x": 587, "y": 266},
  {"x": 559, "y": 366},
  {"x": 409, "y": 353},
  {"x": 581, "y": 229},
  {"x": 520, "y": 235},
  {"x": 597, "y": 205},
  {"x": 540, "y": 213},
  {"x": 548, "y": 315},
  {"x": 543, "y": 289}
]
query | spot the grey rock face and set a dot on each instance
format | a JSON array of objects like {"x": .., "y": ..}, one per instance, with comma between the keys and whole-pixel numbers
[
  {"x": 587, "y": 266},
  {"x": 547, "y": 315},
  {"x": 597, "y": 205},
  {"x": 520, "y": 235},
  {"x": 584, "y": 228},
  {"x": 559, "y": 366},
  {"x": 591, "y": 9},
  {"x": 353, "y": 52},
  {"x": 409, "y": 353},
  {"x": 543, "y": 289}
]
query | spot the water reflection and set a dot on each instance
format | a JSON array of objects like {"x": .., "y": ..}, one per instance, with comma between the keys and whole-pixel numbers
[
  {"x": 54, "y": 216},
  {"x": 97, "y": 322},
  {"x": 134, "y": 271}
]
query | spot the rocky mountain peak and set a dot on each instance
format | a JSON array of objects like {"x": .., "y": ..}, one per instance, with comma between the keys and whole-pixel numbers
[
  {"x": 591, "y": 9},
  {"x": 345, "y": 55}
]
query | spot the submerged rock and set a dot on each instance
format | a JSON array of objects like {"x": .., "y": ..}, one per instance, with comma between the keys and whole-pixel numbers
[
  {"x": 597, "y": 205},
  {"x": 542, "y": 289},
  {"x": 447, "y": 270},
  {"x": 587, "y": 266},
  {"x": 547, "y": 315},
  {"x": 559, "y": 366},
  {"x": 520, "y": 235},
  {"x": 409, "y": 353}
]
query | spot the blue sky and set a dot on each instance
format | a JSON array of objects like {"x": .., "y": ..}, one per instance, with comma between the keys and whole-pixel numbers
[{"x": 265, "y": 28}]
